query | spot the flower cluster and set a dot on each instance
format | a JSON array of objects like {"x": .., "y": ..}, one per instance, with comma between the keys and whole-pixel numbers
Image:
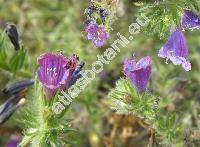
[
  {"x": 175, "y": 49},
  {"x": 94, "y": 24},
  {"x": 94, "y": 12},
  {"x": 57, "y": 72}
]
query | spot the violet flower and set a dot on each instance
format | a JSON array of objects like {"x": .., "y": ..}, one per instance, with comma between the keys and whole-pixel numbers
[
  {"x": 190, "y": 20},
  {"x": 176, "y": 50},
  {"x": 97, "y": 34},
  {"x": 139, "y": 73},
  {"x": 55, "y": 72},
  {"x": 14, "y": 141}
]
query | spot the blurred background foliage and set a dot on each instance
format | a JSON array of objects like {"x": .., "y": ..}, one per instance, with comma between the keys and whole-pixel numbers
[{"x": 58, "y": 25}]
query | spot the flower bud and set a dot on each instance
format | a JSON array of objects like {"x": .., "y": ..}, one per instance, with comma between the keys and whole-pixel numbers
[
  {"x": 13, "y": 35},
  {"x": 9, "y": 107},
  {"x": 76, "y": 75},
  {"x": 18, "y": 87}
]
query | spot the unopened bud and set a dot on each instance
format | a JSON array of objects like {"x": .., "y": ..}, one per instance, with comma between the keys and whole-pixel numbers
[
  {"x": 17, "y": 87},
  {"x": 13, "y": 35}
]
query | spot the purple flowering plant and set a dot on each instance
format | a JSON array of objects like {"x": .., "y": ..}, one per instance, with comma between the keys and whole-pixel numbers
[{"x": 54, "y": 73}]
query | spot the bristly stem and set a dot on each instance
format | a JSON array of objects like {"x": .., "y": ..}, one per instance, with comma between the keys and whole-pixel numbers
[{"x": 147, "y": 108}]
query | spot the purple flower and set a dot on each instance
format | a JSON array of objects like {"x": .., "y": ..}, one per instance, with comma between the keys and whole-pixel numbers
[
  {"x": 138, "y": 73},
  {"x": 14, "y": 141},
  {"x": 190, "y": 20},
  {"x": 55, "y": 72},
  {"x": 176, "y": 50},
  {"x": 97, "y": 34}
]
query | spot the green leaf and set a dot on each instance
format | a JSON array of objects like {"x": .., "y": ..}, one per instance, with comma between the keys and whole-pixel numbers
[
  {"x": 170, "y": 121},
  {"x": 17, "y": 61}
]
